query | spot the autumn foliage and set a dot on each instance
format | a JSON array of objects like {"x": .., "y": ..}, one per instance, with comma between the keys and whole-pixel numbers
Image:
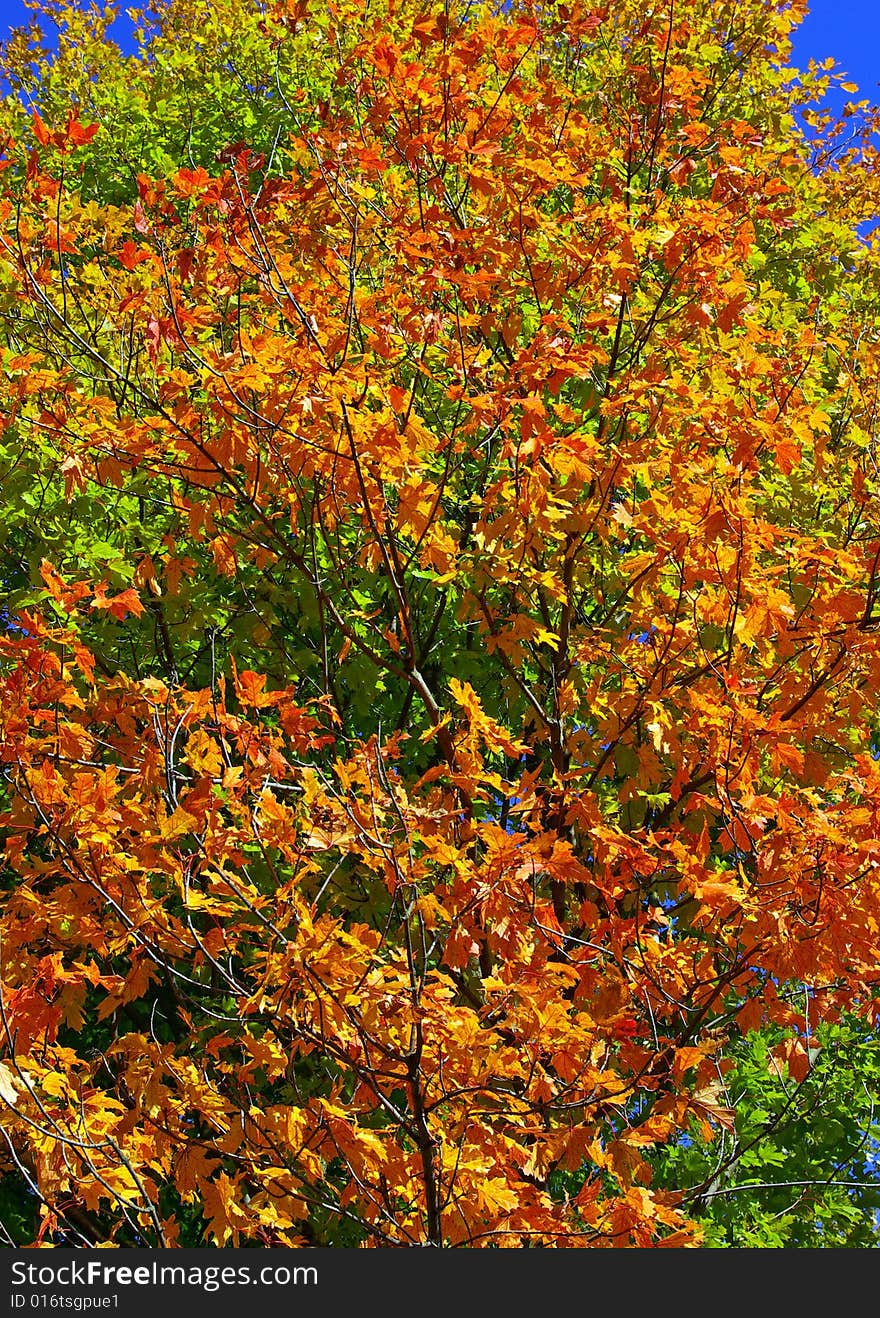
[{"x": 437, "y": 693}]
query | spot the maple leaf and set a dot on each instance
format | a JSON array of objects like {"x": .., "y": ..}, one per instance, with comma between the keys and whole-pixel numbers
[
  {"x": 64, "y": 594},
  {"x": 221, "y": 1204},
  {"x": 41, "y": 132},
  {"x": 80, "y": 134},
  {"x": 119, "y": 606}
]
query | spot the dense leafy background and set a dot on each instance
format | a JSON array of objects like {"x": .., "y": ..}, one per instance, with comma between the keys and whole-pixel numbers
[{"x": 440, "y": 559}]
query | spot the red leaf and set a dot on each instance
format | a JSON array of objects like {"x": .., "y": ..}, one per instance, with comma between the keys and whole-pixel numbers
[
  {"x": 41, "y": 132},
  {"x": 625, "y": 1029},
  {"x": 127, "y": 601},
  {"x": 80, "y": 134},
  {"x": 131, "y": 256}
]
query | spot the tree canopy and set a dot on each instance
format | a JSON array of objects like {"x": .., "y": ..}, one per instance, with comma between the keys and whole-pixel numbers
[{"x": 441, "y": 560}]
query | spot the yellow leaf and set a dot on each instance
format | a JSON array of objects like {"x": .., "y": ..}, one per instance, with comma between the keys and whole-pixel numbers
[{"x": 177, "y": 824}]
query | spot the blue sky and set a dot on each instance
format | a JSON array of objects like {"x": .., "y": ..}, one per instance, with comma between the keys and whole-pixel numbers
[{"x": 850, "y": 31}]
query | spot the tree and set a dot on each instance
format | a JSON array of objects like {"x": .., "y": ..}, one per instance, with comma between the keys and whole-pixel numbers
[
  {"x": 798, "y": 1166},
  {"x": 436, "y": 705}
]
